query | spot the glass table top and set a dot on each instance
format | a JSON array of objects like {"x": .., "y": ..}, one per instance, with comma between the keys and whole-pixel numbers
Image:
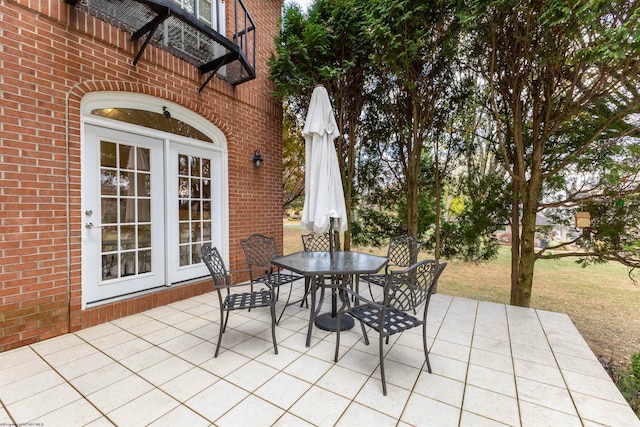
[{"x": 324, "y": 263}]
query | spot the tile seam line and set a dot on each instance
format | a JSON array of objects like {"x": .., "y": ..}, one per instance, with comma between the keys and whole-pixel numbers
[
  {"x": 513, "y": 365},
  {"x": 82, "y": 396},
  {"x": 139, "y": 376},
  {"x": 564, "y": 380},
  {"x": 2, "y": 405},
  {"x": 466, "y": 375}
]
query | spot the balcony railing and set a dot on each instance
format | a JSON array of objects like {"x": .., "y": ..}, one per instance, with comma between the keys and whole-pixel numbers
[{"x": 168, "y": 26}]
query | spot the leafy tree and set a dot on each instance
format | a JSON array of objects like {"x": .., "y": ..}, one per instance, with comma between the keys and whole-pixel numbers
[
  {"x": 480, "y": 185},
  {"x": 414, "y": 42},
  {"x": 382, "y": 208},
  {"x": 563, "y": 86},
  {"x": 326, "y": 47}
]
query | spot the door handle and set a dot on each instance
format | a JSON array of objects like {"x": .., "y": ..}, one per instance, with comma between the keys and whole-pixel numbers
[{"x": 90, "y": 226}]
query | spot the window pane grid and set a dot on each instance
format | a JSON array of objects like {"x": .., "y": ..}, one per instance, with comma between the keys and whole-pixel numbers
[
  {"x": 194, "y": 207},
  {"x": 125, "y": 193}
]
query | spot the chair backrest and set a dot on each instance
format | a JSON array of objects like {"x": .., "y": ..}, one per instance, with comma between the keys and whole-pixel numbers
[
  {"x": 403, "y": 251},
  {"x": 259, "y": 250},
  {"x": 407, "y": 289},
  {"x": 212, "y": 259},
  {"x": 320, "y": 242}
]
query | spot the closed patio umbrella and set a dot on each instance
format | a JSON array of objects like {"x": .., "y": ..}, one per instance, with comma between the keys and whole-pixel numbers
[
  {"x": 324, "y": 197},
  {"x": 324, "y": 209}
]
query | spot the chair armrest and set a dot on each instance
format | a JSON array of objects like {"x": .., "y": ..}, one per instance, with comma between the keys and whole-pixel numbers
[
  {"x": 389, "y": 267},
  {"x": 262, "y": 270},
  {"x": 360, "y": 297},
  {"x": 230, "y": 274},
  {"x": 242, "y": 285}
]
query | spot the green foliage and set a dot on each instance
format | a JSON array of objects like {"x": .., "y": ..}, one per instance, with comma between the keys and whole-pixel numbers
[
  {"x": 373, "y": 227},
  {"x": 322, "y": 47},
  {"x": 563, "y": 81},
  {"x": 326, "y": 46},
  {"x": 543, "y": 104},
  {"x": 629, "y": 383},
  {"x": 614, "y": 234},
  {"x": 461, "y": 240},
  {"x": 414, "y": 46},
  {"x": 388, "y": 216},
  {"x": 293, "y": 162},
  {"x": 470, "y": 234}
]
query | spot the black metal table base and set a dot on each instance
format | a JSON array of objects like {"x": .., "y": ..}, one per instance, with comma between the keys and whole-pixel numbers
[{"x": 327, "y": 322}]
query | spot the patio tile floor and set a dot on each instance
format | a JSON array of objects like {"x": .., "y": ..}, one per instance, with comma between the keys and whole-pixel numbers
[{"x": 493, "y": 365}]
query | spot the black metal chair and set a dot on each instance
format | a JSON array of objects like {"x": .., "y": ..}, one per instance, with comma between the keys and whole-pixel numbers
[
  {"x": 259, "y": 251},
  {"x": 236, "y": 300},
  {"x": 320, "y": 242},
  {"x": 403, "y": 251},
  {"x": 404, "y": 292}
]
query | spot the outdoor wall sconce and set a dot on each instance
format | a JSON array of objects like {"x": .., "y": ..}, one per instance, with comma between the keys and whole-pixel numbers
[
  {"x": 166, "y": 112},
  {"x": 257, "y": 158}
]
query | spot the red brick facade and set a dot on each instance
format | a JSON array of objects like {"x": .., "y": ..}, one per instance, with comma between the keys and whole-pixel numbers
[{"x": 51, "y": 56}]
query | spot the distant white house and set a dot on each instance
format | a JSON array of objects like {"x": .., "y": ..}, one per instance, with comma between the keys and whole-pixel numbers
[{"x": 551, "y": 232}]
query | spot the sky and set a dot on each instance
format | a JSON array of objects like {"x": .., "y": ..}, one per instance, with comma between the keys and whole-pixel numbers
[{"x": 304, "y": 4}]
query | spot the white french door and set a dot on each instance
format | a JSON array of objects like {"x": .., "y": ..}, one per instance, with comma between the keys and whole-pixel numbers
[
  {"x": 149, "y": 204},
  {"x": 195, "y": 208},
  {"x": 123, "y": 214}
]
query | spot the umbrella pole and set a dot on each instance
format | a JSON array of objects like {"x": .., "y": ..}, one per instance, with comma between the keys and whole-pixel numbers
[
  {"x": 329, "y": 321},
  {"x": 331, "y": 240},
  {"x": 334, "y": 306}
]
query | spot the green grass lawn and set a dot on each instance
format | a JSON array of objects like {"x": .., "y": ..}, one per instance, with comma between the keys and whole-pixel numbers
[{"x": 601, "y": 300}]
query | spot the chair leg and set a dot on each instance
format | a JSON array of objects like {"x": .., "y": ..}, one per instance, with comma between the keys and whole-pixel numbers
[
  {"x": 335, "y": 357},
  {"x": 364, "y": 333},
  {"x": 286, "y": 304},
  {"x": 307, "y": 290},
  {"x": 319, "y": 306},
  {"x": 371, "y": 291},
  {"x": 223, "y": 324},
  {"x": 424, "y": 344},
  {"x": 384, "y": 383},
  {"x": 226, "y": 319},
  {"x": 273, "y": 327},
  {"x": 312, "y": 310}
]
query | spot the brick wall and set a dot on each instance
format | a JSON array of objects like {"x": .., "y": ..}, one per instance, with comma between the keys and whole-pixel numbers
[{"x": 51, "y": 56}]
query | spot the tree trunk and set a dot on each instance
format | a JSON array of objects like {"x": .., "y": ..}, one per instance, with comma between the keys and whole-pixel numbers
[
  {"x": 436, "y": 253},
  {"x": 522, "y": 295},
  {"x": 522, "y": 285},
  {"x": 413, "y": 172},
  {"x": 515, "y": 242},
  {"x": 348, "y": 183},
  {"x": 412, "y": 203}
]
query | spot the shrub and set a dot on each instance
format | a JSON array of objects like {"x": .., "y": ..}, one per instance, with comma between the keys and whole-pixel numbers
[{"x": 629, "y": 383}]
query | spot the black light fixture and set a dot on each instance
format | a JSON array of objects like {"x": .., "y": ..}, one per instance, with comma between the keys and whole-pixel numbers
[
  {"x": 166, "y": 112},
  {"x": 257, "y": 158}
]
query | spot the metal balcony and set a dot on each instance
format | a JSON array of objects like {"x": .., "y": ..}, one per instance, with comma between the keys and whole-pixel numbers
[{"x": 170, "y": 27}]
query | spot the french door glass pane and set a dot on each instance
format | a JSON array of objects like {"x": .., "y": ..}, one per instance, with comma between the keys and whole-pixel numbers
[
  {"x": 125, "y": 200},
  {"x": 194, "y": 207}
]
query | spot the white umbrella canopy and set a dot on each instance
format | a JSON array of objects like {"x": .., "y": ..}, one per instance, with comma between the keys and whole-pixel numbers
[{"x": 324, "y": 196}]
